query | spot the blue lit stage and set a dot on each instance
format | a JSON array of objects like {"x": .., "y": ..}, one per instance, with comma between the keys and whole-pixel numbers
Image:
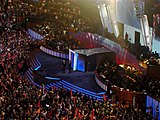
[
  {"x": 41, "y": 76},
  {"x": 50, "y": 74}
]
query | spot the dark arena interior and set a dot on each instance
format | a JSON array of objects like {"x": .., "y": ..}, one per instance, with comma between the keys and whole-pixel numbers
[{"x": 79, "y": 60}]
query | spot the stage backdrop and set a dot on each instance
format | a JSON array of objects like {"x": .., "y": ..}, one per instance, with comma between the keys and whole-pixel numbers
[
  {"x": 89, "y": 59},
  {"x": 93, "y": 40}
]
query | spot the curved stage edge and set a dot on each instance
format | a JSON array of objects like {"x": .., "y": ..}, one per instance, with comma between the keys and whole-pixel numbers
[
  {"x": 41, "y": 77},
  {"x": 53, "y": 53}
]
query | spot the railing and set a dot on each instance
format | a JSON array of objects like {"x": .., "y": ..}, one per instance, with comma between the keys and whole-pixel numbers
[
  {"x": 102, "y": 85},
  {"x": 53, "y": 53}
]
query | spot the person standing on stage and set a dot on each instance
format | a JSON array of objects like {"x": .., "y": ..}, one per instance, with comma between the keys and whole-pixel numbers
[
  {"x": 63, "y": 66},
  {"x": 69, "y": 66},
  {"x": 126, "y": 36}
]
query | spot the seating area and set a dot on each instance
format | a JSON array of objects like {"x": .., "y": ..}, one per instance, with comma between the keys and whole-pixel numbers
[
  {"x": 127, "y": 78},
  {"x": 20, "y": 98},
  {"x": 56, "y": 23}
]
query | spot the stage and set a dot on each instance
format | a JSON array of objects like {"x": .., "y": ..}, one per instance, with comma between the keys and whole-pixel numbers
[{"x": 51, "y": 68}]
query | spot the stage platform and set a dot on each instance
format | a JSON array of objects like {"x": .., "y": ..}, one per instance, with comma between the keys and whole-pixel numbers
[{"x": 51, "y": 68}]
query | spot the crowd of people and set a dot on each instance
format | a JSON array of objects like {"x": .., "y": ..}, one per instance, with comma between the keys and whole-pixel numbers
[
  {"x": 152, "y": 59},
  {"x": 20, "y": 99},
  {"x": 129, "y": 79},
  {"x": 58, "y": 38},
  {"x": 60, "y": 18}
]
